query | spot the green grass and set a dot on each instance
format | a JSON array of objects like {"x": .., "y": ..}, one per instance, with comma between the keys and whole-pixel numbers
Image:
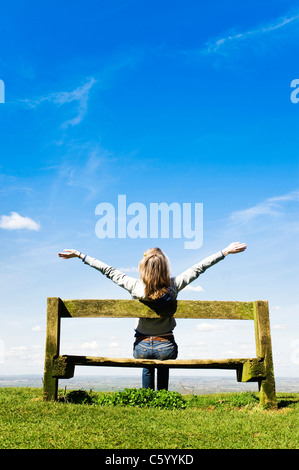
[{"x": 220, "y": 421}]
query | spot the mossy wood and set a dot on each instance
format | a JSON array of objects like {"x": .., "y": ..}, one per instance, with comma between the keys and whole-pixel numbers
[
  {"x": 259, "y": 369},
  {"x": 138, "y": 309}
]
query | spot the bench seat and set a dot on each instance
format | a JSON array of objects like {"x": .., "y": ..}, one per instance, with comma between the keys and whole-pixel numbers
[{"x": 248, "y": 369}]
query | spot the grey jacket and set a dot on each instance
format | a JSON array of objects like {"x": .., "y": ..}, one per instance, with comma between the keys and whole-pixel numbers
[{"x": 154, "y": 326}]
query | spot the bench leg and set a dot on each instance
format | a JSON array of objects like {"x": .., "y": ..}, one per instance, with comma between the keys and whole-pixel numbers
[
  {"x": 264, "y": 350},
  {"x": 50, "y": 383}
]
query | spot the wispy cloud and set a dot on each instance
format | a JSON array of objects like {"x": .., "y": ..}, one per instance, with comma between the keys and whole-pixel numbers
[
  {"x": 88, "y": 173},
  {"x": 90, "y": 345},
  {"x": 25, "y": 353},
  {"x": 15, "y": 221},
  {"x": 79, "y": 96},
  {"x": 272, "y": 206},
  {"x": 219, "y": 45},
  {"x": 209, "y": 327},
  {"x": 132, "y": 269},
  {"x": 12, "y": 184},
  {"x": 281, "y": 327},
  {"x": 37, "y": 328}
]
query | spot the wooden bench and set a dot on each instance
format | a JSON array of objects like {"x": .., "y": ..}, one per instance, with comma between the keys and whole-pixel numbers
[{"x": 257, "y": 369}]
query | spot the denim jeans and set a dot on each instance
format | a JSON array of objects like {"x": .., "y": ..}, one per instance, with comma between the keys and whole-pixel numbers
[{"x": 161, "y": 350}]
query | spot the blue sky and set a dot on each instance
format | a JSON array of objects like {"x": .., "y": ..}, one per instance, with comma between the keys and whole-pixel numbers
[{"x": 170, "y": 101}]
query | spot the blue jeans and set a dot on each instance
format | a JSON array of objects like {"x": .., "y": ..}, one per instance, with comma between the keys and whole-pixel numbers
[{"x": 161, "y": 350}]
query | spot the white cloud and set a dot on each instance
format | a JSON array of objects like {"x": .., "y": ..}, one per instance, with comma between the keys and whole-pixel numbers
[
  {"x": 271, "y": 206},
  {"x": 218, "y": 45},
  {"x": 25, "y": 353},
  {"x": 37, "y": 328},
  {"x": 17, "y": 349},
  {"x": 133, "y": 269},
  {"x": 15, "y": 221},
  {"x": 90, "y": 174},
  {"x": 113, "y": 345},
  {"x": 280, "y": 327},
  {"x": 231, "y": 353},
  {"x": 90, "y": 345},
  {"x": 209, "y": 327},
  {"x": 194, "y": 288},
  {"x": 78, "y": 96},
  {"x": 2, "y": 351}
]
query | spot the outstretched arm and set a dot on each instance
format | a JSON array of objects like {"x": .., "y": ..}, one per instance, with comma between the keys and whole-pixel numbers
[
  {"x": 115, "y": 275},
  {"x": 192, "y": 273}
]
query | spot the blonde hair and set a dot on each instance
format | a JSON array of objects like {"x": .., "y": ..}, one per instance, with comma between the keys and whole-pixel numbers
[{"x": 154, "y": 271}]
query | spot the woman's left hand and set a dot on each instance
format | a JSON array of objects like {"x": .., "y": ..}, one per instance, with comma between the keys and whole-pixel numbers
[{"x": 235, "y": 247}]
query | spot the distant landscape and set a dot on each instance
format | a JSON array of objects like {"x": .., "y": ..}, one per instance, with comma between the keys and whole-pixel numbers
[{"x": 183, "y": 384}]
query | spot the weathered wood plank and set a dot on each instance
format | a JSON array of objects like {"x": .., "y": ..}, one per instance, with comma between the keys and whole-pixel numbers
[
  {"x": 62, "y": 363},
  {"x": 180, "y": 309}
]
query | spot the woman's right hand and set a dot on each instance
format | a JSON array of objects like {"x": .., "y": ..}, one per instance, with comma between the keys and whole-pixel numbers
[{"x": 67, "y": 254}]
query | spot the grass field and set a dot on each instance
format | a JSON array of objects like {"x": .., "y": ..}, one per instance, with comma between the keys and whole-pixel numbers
[{"x": 220, "y": 421}]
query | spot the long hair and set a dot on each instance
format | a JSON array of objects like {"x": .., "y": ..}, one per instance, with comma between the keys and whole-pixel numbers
[{"x": 154, "y": 271}]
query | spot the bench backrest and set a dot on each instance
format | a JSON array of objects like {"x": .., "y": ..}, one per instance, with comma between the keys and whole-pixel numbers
[{"x": 136, "y": 309}]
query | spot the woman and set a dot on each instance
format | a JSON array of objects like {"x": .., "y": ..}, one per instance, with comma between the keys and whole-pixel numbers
[{"x": 154, "y": 336}]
